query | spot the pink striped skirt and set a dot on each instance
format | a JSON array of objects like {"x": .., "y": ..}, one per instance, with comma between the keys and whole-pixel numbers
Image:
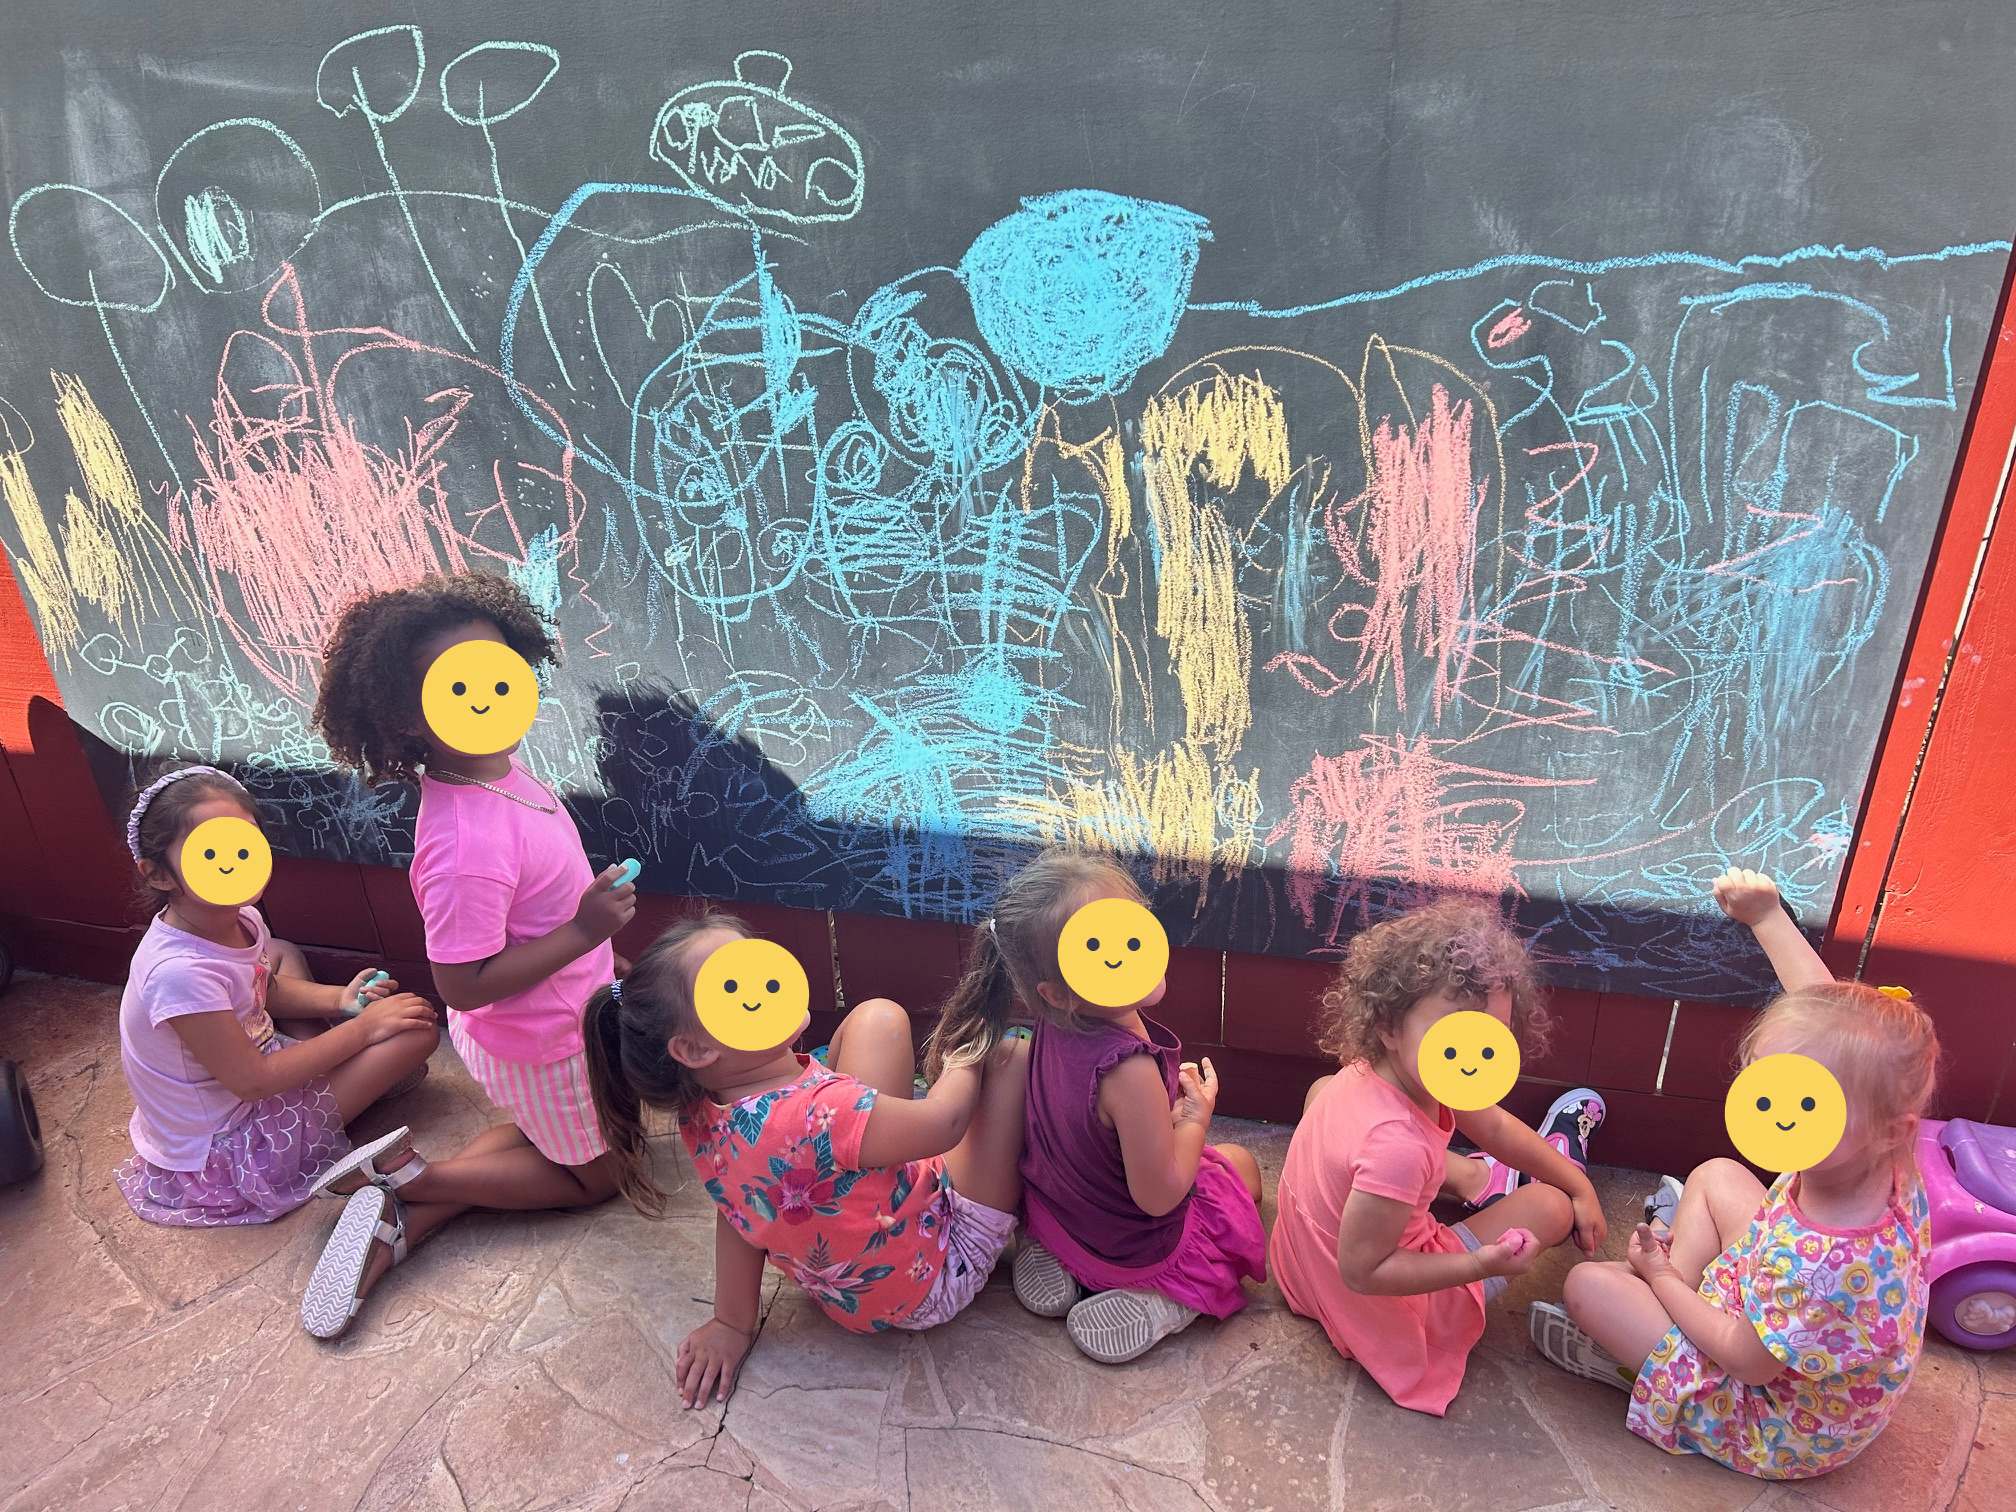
[{"x": 550, "y": 1104}]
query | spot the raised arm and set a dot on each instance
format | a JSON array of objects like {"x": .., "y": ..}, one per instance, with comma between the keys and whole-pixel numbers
[{"x": 1751, "y": 898}]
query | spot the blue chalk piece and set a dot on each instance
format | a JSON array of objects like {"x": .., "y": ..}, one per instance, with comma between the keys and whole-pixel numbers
[
  {"x": 1081, "y": 289},
  {"x": 371, "y": 981},
  {"x": 629, "y": 872}
]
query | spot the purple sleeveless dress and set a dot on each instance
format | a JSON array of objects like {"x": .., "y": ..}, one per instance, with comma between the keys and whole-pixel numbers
[{"x": 1074, "y": 1182}]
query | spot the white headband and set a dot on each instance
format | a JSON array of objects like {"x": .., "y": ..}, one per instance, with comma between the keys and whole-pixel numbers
[{"x": 147, "y": 796}]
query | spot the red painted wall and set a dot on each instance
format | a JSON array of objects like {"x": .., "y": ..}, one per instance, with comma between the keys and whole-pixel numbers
[{"x": 1927, "y": 895}]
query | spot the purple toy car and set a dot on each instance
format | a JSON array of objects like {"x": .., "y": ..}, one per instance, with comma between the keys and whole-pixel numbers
[{"x": 1970, "y": 1177}]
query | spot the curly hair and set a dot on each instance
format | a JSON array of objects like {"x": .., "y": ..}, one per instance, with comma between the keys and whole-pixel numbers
[
  {"x": 1462, "y": 948},
  {"x": 369, "y": 704}
]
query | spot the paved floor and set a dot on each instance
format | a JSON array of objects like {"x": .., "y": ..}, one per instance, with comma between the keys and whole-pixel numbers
[{"x": 525, "y": 1362}]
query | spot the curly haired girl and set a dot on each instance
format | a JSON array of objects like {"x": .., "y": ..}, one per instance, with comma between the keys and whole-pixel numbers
[{"x": 1354, "y": 1245}]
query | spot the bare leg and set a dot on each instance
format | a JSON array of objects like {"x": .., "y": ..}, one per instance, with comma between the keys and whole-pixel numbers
[
  {"x": 873, "y": 1045},
  {"x": 1314, "y": 1087},
  {"x": 1720, "y": 1199},
  {"x": 1242, "y": 1161},
  {"x": 361, "y": 1080},
  {"x": 1541, "y": 1210},
  {"x": 986, "y": 1164},
  {"x": 1608, "y": 1302}
]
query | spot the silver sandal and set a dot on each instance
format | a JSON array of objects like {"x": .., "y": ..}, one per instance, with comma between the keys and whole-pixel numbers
[
  {"x": 334, "y": 1293},
  {"x": 362, "y": 1163}
]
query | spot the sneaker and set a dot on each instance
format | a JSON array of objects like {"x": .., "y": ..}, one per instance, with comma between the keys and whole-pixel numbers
[
  {"x": 1117, "y": 1326},
  {"x": 1501, "y": 1180},
  {"x": 1567, "y": 1346},
  {"x": 1044, "y": 1286},
  {"x": 1663, "y": 1205},
  {"x": 1573, "y": 1118},
  {"x": 405, "y": 1083}
]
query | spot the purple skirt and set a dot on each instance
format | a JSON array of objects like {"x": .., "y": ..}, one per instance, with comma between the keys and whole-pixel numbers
[{"x": 259, "y": 1169}]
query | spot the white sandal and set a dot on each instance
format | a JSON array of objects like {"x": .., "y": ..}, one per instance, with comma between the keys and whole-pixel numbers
[
  {"x": 362, "y": 1163},
  {"x": 334, "y": 1292}
]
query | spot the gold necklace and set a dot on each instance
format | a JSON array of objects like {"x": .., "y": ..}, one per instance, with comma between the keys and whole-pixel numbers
[{"x": 488, "y": 787}]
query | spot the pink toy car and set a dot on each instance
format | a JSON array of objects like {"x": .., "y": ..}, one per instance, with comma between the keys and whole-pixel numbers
[{"x": 1970, "y": 1177}]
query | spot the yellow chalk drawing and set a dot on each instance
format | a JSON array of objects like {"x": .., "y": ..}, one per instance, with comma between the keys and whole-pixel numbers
[
  {"x": 1210, "y": 433},
  {"x": 118, "y": 558},
  {"x": 40, "y": 563}
]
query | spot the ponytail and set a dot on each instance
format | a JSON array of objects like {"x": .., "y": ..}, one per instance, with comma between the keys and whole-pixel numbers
[
  {"x": 625, "y": 1030},
  {"x": 977, "y": 1015}
]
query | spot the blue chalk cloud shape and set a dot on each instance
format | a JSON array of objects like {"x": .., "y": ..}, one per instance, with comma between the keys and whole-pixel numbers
[{"x": 1078, "y": 290}]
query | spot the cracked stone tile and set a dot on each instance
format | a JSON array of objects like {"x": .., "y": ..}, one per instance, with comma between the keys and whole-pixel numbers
[
  {"x": 826, "y": 1447},
  {"x": 727, "y": 1455},
  {"x": 1269, "y": 1432},
  {"x": 1998, "y": 1371},
  {"x": 516, "y": 1440},
  {"x": 1991, "y": 1472},
  {"x": 687, "y": 1488},
  {"x": 953, "y": 1470},
  {"x": 610, "y": 1368},
  {"x": 1488, "y": 1453},
  {"x": 1174, "y": 1442},
  {"x": 800, "y": 1346},
  {"x": 436, "y": 1492},
  {"x": 915, "y": 1400}
]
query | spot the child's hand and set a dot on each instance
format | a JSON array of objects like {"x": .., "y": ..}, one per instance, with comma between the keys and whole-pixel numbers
[
  {"x": 1648, "y": 1256},
  {"x": 1197, "y": 1094},
  {"x": 604, "y": 909},
  {"x": 1748, "y": 897},
  {"x": 385, "y": 1017},
  {"x": 1512, "y": 1255},
  {"x": 362, "y": 987},
  {"x": 709, "y": 1359},
  {"x": 1590, "y": 1225}
]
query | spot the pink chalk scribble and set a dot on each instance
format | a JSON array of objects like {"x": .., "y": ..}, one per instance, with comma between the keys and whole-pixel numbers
[
  {"x": 1415, "y": 547},
  {"x": 1509, "y": 329},
  {"x": 1393, "y": 821}
]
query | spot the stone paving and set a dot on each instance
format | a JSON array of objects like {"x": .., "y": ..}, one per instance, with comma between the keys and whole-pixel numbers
[{"x": 525, "y": 1361}]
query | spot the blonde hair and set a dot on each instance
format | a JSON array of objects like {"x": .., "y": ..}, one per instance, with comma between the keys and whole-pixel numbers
[
  {"x": 1461, "y": 948},
  {"x": 1016, "y": 951},
  {"x": 1884, "y": 1049}
]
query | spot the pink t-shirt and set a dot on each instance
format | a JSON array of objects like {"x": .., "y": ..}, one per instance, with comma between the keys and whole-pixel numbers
[
  {"x": 488, "y": 872},
  {"x": 1364, "y": 1134},
  {"x": 178, "y": 1106}
]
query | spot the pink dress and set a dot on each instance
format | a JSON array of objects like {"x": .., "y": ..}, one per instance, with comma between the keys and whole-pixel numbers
[
  {"x": 1074, "y": 1182},
  {"x": 488, "y": 872},
  {"x": 1364, "y": 1134}
]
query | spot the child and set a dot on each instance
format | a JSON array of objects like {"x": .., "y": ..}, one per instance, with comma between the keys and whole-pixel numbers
[
  {"x": 1354, "y": 1244},
  {"x": 1775, "y": 1331},
  {"x": 233, "y": 1120},
  {"x": 1122, "y": 1195},
  {"x": 890, "y": 1212},
  {"x": 518, "y": 929}
]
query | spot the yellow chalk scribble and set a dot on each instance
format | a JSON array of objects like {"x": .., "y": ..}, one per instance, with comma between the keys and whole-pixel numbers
[
  {"x": 40, "y": 563},
  {"x": 1210, "y": 433},
  {"x": 118, "y": 558}
]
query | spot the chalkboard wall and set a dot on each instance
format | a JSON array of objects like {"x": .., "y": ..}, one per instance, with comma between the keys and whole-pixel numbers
[{"x": 1331, "y": 454}]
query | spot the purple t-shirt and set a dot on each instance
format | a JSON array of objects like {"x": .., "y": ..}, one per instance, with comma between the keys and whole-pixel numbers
[
  {"x": 178, "y": 1106},
  {"x": 1071, "y": 1162},
  {"x": 488, "y": 872}
]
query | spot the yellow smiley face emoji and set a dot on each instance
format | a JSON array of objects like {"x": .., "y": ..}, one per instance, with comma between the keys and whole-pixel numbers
[
  {"x": 1113, "y": 952},
  {"x": 479, "y": 697},
  {"x": 752, "y": 995},
  {"x": 1468, "y": 1061},
  {"x": 1785, "y": 1112},
  {"x": 226, "y": 860}
]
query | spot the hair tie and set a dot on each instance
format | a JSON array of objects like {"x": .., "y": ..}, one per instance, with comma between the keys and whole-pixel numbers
[
  {"x": 147, "y": 796},
  {"x": 1901, "y": 994},
  {"x": 616, "y": 991},
  {"x": 992, "y": 930}
]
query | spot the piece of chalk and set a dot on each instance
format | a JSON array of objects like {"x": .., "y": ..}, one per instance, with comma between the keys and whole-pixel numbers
[
  {"x": 629, "y": 872},
  {"x": 369, "y": 982}
]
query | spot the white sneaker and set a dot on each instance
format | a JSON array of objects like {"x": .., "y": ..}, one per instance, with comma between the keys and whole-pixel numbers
[
  {"x": 1555, "y": 1335},
  {"x": 1042, "y": 1284},
  {"x": 1663, "y": 1206},
  {"x": 1117, "y": 1326}
]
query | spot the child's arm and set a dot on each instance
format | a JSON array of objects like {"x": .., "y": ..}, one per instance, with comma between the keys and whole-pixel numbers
[
  {"x": 1498, "y": 1133},
  {"x": 294, "y": 997},
  {"x": 711, "y": 1356},
  {"x": 1372, "y": 1261},
  {"x": 902, "y": 1128},
  {"x": 604, "y": 909},
  {"x": 223, "y": 1048},
  {"x": 1751, "y": 898},
  {"x": 1160, "y": 1145},
  {"x": 1726, "y": 1338}
]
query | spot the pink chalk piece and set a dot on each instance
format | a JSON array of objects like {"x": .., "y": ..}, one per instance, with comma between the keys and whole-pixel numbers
[{"x": 1518, "y": 1241}]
